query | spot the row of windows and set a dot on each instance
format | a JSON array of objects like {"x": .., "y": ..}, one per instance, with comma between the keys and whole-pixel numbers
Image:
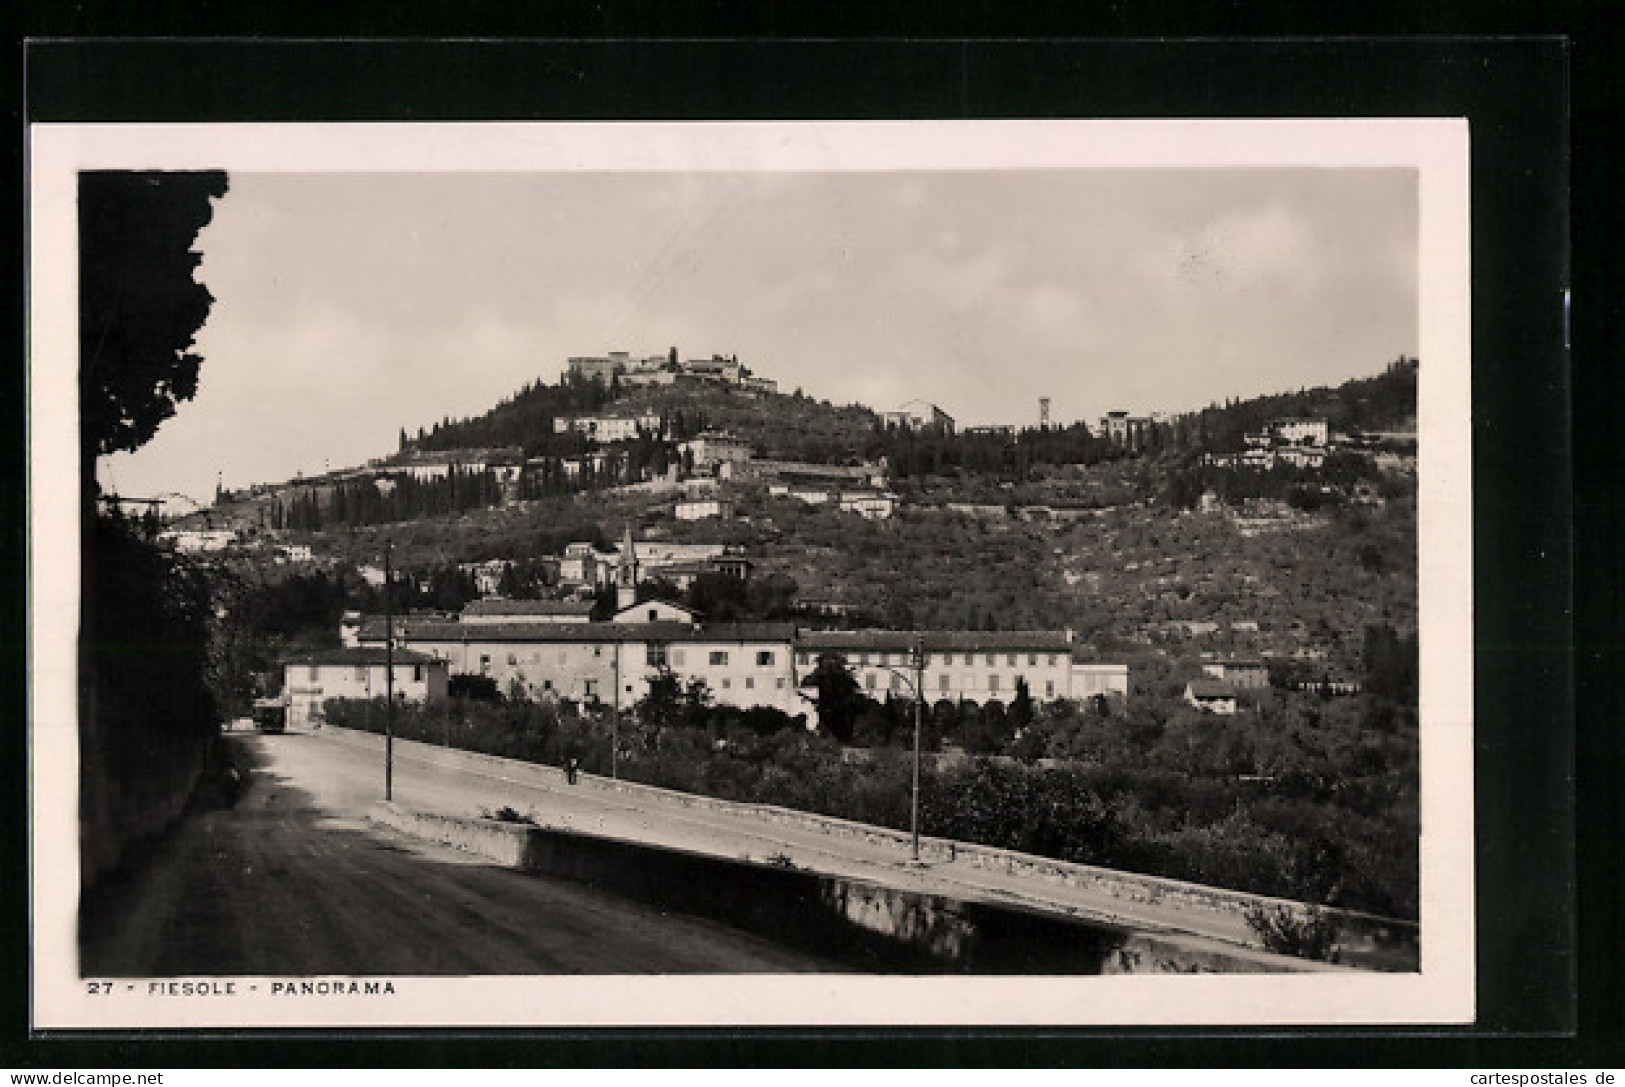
[
  {"x": 906, "y": 660},
  {"x": 945, "y": 683},
  {"x": 655, "y": 656},
  {"x": 360, "y": 673}
]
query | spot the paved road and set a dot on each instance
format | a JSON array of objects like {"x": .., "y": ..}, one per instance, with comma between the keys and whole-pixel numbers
[{"x": 294, "y": 881}]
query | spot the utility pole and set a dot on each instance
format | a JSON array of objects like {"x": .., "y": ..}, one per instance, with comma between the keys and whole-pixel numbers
[
  {"x": 389, "y": 677},
  {"x": 919, "y": 709},
  {"x": 615, "y": 714}
]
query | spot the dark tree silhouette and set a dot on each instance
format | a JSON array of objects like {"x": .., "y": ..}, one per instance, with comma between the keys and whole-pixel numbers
[
  {"x": 139, "y": 305},
  {"x": 150, "y": 658},
  {"x": 839, "y": 700}
]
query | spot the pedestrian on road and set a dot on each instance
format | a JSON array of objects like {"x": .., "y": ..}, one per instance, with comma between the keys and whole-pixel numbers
[{"x": 571, "y": 768}]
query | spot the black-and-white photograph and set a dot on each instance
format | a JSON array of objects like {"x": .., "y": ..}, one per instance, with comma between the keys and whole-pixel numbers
[{"x": 586, "y": 574}]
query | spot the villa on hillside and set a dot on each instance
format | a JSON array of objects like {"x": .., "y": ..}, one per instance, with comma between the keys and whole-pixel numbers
[{"x": 918, "y": 415}]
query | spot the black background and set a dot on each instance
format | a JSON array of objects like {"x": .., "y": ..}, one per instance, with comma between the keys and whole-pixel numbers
[{"x": 1548, "y": 943}]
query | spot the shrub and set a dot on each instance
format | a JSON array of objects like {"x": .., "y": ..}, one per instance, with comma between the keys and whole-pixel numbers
[{"x": 1309, "y": 933}]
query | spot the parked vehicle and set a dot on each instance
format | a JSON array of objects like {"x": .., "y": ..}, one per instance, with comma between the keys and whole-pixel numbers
[{"x": 270, "y": 715}]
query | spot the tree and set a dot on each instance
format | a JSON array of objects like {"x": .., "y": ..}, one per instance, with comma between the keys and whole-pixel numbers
[
  {"x": 838, "y": 699},
  {"x": 152, "y": 651},
  {"x": 1021, "y": 707},
  {"x": 139, "y": 306},
  {"x": 662, "y": 706}
]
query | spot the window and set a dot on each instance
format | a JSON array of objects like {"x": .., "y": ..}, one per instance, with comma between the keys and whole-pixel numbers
[
  {"x": 806, "y": 659},
  {"x": 1049, "y": 689},
  {"x": 727, "y": 683},
  {"x": 719, "y": 658},
  {"x": 654, "y": 615},
  {"x": 417, "y": 673},
  {"x": 315, "y": 672},
  {"x": 361, "y": 673},
  {"x": 1052, "y": 660},
  {"x": 764, "y": 658},
  {"x": 779, "y": 683},
  {"x": 1032, "y": 659},
  {"x": 513, "y": 658},
  {"x": 485, "y": 663},
  {"x": 750, "y": 684},
  {"x": 993, "y": 682},
  {"x": 896, "y": 682},
  {"x": 655, "y": 655},
  {"x": 598, "y": 651},
  {"x": 1012, "y": 660},
  {"x": 869, "y": 680},
  {"x": 942, "y": 682},
  {"x": 590, "y": 688},
  {"x": 547, "y": 685},
  {"x": 948, "y": 659}
]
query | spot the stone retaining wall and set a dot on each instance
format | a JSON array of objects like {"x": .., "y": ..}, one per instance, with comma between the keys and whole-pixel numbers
[
  {"x": 853, "y": 922},
  {"x": 1366, "y": 940}
]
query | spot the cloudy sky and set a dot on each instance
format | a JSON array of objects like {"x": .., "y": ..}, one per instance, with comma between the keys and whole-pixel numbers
[{"x": 350, "y": 306}]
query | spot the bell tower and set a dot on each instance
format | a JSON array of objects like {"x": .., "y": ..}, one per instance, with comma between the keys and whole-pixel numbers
[{"x": 626, "y": 573}]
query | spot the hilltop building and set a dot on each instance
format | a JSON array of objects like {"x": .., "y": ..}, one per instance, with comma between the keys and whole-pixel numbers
[
  {"x": 712, "y": 448},
  {"x": 1211, "y": 696},
  {"x": 919, "y": 415},
  {"x": 610, "y": 428},
  {"x": 698, "y": 509},
  {"x": 665, "y": 370},
  {"x": 1241, "y": 674},
  {"x": 1121, "y": 428},
  {"x": 875, "y": 505}
]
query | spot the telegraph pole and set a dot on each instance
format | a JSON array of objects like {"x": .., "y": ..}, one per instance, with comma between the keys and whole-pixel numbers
[
  {"x": 389, "y": 678},
  {"x": 919, "y": 704}
]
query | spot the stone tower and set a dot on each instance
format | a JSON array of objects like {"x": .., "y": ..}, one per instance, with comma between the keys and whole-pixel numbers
[{"x": 626, "y": 573}]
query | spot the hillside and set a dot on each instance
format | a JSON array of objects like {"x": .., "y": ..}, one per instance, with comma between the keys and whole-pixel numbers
[
  {"x": 1144, "y": 545},
  {"x": 792, "y": 427}
]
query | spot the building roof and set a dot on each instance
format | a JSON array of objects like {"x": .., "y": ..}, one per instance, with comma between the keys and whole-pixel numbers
[
  {"x": 499, "y": 606},
  {"x": 366, "y": 654},
  {"x": 597, "y": 632},
  {"x": 1210, "y": 688},
  {"x": 1086, "y": 662},
  {"x": 937, "y": 641},
  {"x": 656, "y": 601}
]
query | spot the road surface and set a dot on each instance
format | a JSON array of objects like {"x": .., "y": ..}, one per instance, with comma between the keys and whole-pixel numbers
[{"x": 295, "y": 881}]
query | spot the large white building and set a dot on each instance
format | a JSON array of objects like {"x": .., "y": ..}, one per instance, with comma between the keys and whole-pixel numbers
[
  {"x": 743, "y": 664},
  {"x": 958, "y": 666}
]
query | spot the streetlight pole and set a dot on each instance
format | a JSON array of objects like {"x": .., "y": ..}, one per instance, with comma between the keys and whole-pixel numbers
[
  {"x": 919, "y": 704},
  {"x": 389, "y": 678},
  {"x": 917, "y": 684}
]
